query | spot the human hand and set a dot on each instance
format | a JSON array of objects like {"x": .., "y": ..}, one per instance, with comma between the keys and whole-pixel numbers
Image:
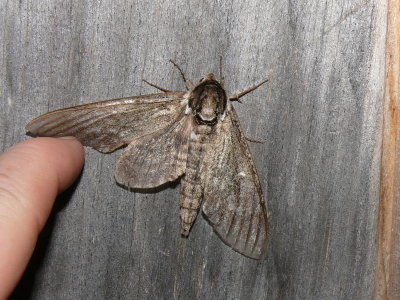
[{"x": 32, "y": 173}]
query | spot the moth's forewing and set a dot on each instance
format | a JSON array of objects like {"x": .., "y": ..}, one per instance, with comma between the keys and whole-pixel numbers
[
  {"x": 108, "y": 125},
  {"x": 233, "y": 198},
  {"x": 156, "y": 158}
]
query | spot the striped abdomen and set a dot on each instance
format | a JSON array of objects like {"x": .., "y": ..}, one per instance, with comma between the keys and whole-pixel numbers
[{"x": 191, "y": 188}]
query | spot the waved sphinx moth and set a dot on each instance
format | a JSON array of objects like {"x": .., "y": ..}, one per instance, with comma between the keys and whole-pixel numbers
[{"x": 193, "y": 135}]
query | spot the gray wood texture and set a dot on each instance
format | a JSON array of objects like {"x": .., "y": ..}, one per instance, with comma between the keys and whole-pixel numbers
[{"x": 320, "y": 114}]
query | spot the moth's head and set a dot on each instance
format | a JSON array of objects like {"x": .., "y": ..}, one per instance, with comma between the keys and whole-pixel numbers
[{"x": 208, "y": 100}]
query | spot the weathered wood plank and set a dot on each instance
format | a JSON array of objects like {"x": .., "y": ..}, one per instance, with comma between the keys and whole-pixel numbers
[
  {"x": 388, "y": 272},
  {"x": 321, "y": 116}
]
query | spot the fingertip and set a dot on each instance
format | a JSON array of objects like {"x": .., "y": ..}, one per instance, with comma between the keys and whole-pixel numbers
[
  {"x": 32, "y": 173},
  {"x": 64, "y": 156}
]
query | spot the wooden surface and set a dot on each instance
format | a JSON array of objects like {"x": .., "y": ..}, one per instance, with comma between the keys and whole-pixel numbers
[
  {"x": 321, "y": 116},
  {"x": 388, "y": 254}
]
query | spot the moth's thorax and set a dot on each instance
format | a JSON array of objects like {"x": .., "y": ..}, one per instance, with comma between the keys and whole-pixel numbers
[{"x": 207, "y": 101}]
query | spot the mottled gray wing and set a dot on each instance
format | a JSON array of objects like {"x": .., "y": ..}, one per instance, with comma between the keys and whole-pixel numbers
[
  {"x": 233, "y": 198},
  {"x": 157, "y": 158},
  {"x": 108, "y": 125}
]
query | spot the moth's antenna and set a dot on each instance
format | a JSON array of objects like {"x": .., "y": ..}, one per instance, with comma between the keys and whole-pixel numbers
[
  {"x": 188, "y": 83},
  {"x": 221, "y": 75},
  {"x": 157, "y": 87},
  {"x": 241, "y": 94},
  {"x": 179, "y": 68}
]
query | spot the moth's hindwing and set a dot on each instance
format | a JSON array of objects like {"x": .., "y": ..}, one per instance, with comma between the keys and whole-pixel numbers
[
  {"x": 108, "y": 125},
  {"x": 233, "y": 198},
  {"x": 156, "y": 158}
]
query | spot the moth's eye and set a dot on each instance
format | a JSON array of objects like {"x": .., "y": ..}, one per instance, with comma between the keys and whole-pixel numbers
[{"x": 201, "y": 79}]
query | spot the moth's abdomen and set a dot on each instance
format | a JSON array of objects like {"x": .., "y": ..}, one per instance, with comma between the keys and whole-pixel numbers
[
  {"x": 191, "y": 188},
  {"x": 190, "y": 201}
]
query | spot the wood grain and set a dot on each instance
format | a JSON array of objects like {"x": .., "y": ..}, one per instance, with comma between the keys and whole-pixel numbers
[
  {"x": 388, "y": 272},
  {"x": 320, "y": 114}
]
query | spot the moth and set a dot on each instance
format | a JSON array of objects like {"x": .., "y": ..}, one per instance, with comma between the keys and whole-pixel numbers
[{"x": 194, "y": 136}]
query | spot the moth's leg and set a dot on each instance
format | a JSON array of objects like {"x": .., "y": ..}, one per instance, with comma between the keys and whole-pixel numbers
[
  {"x": 221, "y": 74},
  {"x": 189, "y": 84},
  {"x": 241, "y": 94},
  {"x": 157, "y": 87}
]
